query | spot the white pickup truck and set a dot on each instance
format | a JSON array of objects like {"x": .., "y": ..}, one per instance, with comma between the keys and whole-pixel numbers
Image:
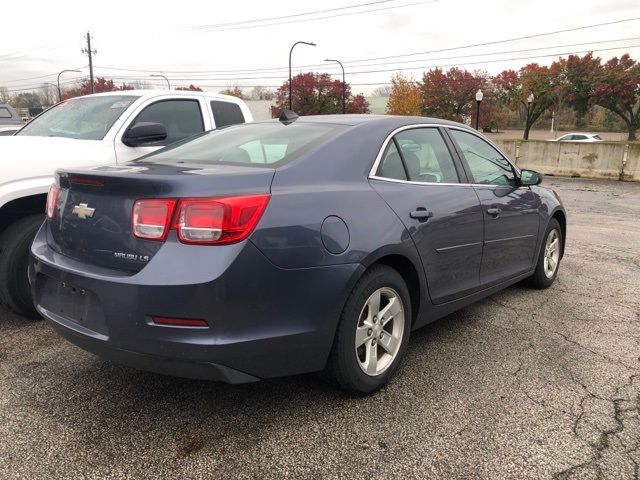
[{"x": 100, "y": 129}]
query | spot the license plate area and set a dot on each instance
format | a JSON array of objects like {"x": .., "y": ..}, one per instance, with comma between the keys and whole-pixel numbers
[{"x": 72, "y": 302}]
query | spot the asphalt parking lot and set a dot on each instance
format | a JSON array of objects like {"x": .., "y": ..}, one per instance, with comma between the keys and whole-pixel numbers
[{"x": 525, "y": 384}]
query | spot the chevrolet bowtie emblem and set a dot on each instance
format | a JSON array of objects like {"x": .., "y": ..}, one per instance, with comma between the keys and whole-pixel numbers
[{"x": 83, "y": 211}]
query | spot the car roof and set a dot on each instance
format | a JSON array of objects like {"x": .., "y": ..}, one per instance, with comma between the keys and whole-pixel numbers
[
  {"x": 390, "y": 120},
  {"x": 160, "y": 92}
]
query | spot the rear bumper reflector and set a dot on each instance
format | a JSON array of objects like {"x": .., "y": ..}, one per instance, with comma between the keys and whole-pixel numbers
[{"x": 180, "y": 322}]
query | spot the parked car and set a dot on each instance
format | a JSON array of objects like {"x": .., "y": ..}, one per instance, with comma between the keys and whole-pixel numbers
[
  {"x": 292, "y": 246},
  {"x": 579, "y": 137},
  {"x": 102, "y": 129},
  {"x": 6, "y": 130},
  {"x": 8, "y": 116}
]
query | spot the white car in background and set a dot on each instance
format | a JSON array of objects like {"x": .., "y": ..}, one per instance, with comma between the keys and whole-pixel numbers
[
  {"x": 579, "y": 137},
  {"x": 102, "y": 129}
]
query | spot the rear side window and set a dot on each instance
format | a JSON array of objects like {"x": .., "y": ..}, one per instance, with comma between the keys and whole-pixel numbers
[
  {"x": 258, "y": 144},
  {"x": 226, "y": 113},
  {"x": 418, "y": 155},
  {"x": 181, "y": 118},
  {"x": 391, "y": 165},
  {"x": 426, "y": 156},
  {"x": 5, "y": 113}
]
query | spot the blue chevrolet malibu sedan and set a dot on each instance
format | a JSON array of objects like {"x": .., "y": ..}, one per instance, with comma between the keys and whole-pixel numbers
[{"x": 284, "y": 247}]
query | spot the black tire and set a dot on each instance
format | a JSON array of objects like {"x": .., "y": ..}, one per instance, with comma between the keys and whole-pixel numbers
[
  {"x": 540, "y": 279},
  {"x": 15, "y": 241},
  {"x": 343, "y": 367}
]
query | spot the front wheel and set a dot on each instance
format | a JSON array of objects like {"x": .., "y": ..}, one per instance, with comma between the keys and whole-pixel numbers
[
  {"x": 373, "y": 332},
  {"x": 549, "y": 258},
  {"x": 15, "y": 241}
]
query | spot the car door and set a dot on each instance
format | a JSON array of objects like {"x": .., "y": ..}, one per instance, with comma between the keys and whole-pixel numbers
[
  {"x": 418, "y": 176},
  {"x": 511, "y": 211},
  {"x": 182, "y": 117}
]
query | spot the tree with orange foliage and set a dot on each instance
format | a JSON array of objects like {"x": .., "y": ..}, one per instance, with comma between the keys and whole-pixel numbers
[
  {"x": 234, "y": 92},
  {"x": 405, "y": 97}
]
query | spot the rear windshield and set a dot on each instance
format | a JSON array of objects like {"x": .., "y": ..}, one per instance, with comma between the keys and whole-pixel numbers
[
  {"x": 259, "y": 144},
  {"x": 84, "y": 118}
]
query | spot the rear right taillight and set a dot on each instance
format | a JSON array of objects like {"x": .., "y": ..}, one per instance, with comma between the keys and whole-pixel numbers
[
  {"x": 152, "y": 218},
  {"x": 218, "y": 220},
  {"x": 52, "y": 201}
]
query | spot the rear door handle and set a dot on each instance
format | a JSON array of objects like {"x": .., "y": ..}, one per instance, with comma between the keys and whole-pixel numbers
[
  {"x": 494, "y": 211},
  {"x": 421, "y": 214}
]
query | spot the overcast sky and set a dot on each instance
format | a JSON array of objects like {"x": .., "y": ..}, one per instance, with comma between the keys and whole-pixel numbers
[{"x": 200, "y": 42}]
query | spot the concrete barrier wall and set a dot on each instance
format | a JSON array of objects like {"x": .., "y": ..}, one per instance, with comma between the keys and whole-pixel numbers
[{"x": 611, "y": 160}]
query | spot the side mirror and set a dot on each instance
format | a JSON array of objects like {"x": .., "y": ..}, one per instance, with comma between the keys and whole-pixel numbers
[
  {"x": 143, "y": 133},
  {"x": 530, "y": 177}
]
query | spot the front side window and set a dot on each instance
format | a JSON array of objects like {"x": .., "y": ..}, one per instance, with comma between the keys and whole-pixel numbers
[
  {"x": 84, "y": 118},
  {"x": 487, "y": 165},
  {"x": 181, "y": 118},
  {"x": 258, "y": 144},
  {"x": 5, "y": 113}
]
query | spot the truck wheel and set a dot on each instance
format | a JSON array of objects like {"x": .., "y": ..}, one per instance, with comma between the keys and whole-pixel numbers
[{"x": 15, "y": 241}]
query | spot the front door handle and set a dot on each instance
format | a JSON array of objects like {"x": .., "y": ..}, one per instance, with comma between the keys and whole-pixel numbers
[
  {"x": 421, "y": 214},
  {"x": 494, "y": 211}
]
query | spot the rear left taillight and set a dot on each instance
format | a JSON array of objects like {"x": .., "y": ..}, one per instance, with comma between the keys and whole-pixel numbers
[
  {"x": 152, "y": 218},
  {"x": 218, "y": 220},
  {"x": 52, "y": 201}
]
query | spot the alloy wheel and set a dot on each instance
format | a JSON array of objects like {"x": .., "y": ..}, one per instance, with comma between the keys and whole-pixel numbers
[{"x": 380, "y": 331}]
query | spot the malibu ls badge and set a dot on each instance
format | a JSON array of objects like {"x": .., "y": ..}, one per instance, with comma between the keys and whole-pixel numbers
[{"x": 83, "y": 211}]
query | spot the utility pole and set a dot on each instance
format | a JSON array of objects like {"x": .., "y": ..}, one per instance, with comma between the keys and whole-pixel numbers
[{"x": 90, "y": 53}]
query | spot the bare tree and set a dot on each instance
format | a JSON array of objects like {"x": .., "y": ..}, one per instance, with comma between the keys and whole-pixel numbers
[
  {"x": 262, "y": 93},
  {"x": 383, "y": 91},
  {"x": 5, "y": 97},
  {"x": 48, "y": 94}
]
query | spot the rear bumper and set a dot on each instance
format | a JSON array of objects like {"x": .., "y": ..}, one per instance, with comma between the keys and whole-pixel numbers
[{"x": 264, "y": 321}]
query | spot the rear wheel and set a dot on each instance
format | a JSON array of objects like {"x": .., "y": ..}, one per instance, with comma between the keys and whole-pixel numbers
[
  {"x": 549, "y": 258},
  {"x": 373, "y": 332},
  {"x": 15, "y": 292}
]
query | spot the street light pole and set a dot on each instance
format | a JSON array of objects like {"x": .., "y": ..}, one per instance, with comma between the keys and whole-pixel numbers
[
  {"x": 290, "y": 52},
  {"x": 530, "y": 100},
  {"x": 479, "y": 97},
  {"x": 162, "y": 76},
  {"x": 60, "y": 91},
  {"x": 344, "y": 88}
]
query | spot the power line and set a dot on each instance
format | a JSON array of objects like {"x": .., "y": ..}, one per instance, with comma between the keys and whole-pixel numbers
[
  {"x": 495, "y": 42},
  {"x": 460, "y": 47},
  {"x": 328, "y": 67},
  {"x": 318, "y": 18},
  {"x": 420, "y": 67},
  {"x": 18, "y": 80},
  {"x": 258, "y": 20}
]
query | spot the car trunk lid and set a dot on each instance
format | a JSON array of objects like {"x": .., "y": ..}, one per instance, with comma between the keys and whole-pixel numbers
[{"x": 93, "y": 219}]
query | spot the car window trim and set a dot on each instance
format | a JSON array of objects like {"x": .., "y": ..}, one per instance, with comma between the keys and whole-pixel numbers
[
  {"x": 373, "y": 172},
  {"x": 516, "y": 170}
]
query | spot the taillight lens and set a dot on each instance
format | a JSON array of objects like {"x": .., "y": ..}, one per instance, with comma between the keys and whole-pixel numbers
[
  {"x": 52, "y": 201},
  {"x": 221, "y": 220},
  {"x": 152, "y": 218}
]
